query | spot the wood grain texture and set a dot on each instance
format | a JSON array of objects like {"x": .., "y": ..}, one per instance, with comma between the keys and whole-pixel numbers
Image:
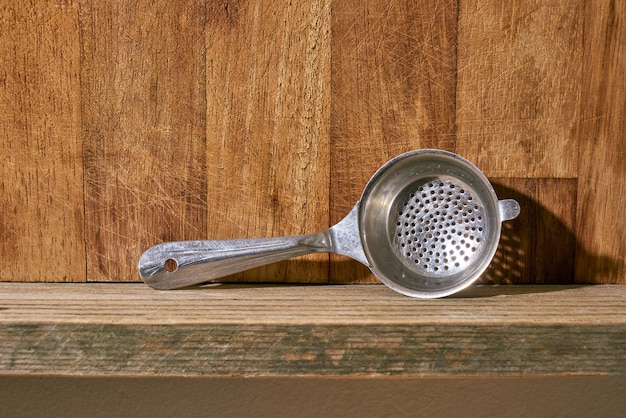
[
  {"x": 519, "y": 78},
  {"x": 125, "y": 124},
  {"x": 366, "y": 331},
  {"x": 602, "y": 146},
  {"x": 268, "y": 150},
  {"x": 540, "y": 246},
  {"x": 143, "y": 90},
  {"x": 41, "y": 175},
  {"x": 393, "y": 90}
]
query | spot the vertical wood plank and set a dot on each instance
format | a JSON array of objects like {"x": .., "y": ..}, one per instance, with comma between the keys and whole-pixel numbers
[
  {"x": 519, "y": 83},
  {"x": 393, "y": 90},
  {"x": 41, "y": 175},
  {"x": 268, "y": 72},
  {"x": 602, "y": 145},
  {"x": 144, "y": 117},
  {"x": 538, "y": 247}
]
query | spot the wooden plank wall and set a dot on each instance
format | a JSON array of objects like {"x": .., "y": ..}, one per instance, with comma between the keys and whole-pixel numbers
[
  {"x": 42, "y": 234},
  {"x": 268, "y": 147},
  {"x": 144, "y": 129},
  {"x": 127, "y": 123}
]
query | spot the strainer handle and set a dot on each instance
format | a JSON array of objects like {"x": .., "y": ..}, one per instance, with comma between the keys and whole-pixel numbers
[
  {"x": 174, "y": 265},
  {"x": 509, "y": 209}
]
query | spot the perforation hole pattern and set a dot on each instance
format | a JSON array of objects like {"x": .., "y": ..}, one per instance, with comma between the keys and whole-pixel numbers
[{"x": 440, "y": 228}]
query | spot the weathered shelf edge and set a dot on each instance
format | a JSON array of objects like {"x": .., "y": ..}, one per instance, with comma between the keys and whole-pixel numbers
[{"x": 258, "y": 348}]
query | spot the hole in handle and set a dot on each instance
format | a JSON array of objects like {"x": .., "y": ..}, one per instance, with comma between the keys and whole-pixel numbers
[{"x": 170, "y": 265}]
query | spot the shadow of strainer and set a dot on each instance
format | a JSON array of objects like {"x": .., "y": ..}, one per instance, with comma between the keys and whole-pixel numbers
[{"x": 540, "y": 247}]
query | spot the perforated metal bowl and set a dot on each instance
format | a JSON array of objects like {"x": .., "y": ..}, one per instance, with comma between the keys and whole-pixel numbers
[{"x": 430, "y": 223}]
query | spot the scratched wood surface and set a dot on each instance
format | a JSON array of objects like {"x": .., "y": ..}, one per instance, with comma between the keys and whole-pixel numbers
[
  {"x": 268, "y": 150},
  {"x": 144, "y": 129},
  {"x": 124, "y": 124},
  {"x": 519, "y": 86},
  {"x": 42, "y": 235},
  {"x": 602, "y": 146}
]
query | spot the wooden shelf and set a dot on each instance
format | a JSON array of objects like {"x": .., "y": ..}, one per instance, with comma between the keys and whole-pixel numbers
[{"x": 287, "y": 330}]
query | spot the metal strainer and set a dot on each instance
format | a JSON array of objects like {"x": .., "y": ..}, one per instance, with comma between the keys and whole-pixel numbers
[{"x": 427, "y": 225}]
